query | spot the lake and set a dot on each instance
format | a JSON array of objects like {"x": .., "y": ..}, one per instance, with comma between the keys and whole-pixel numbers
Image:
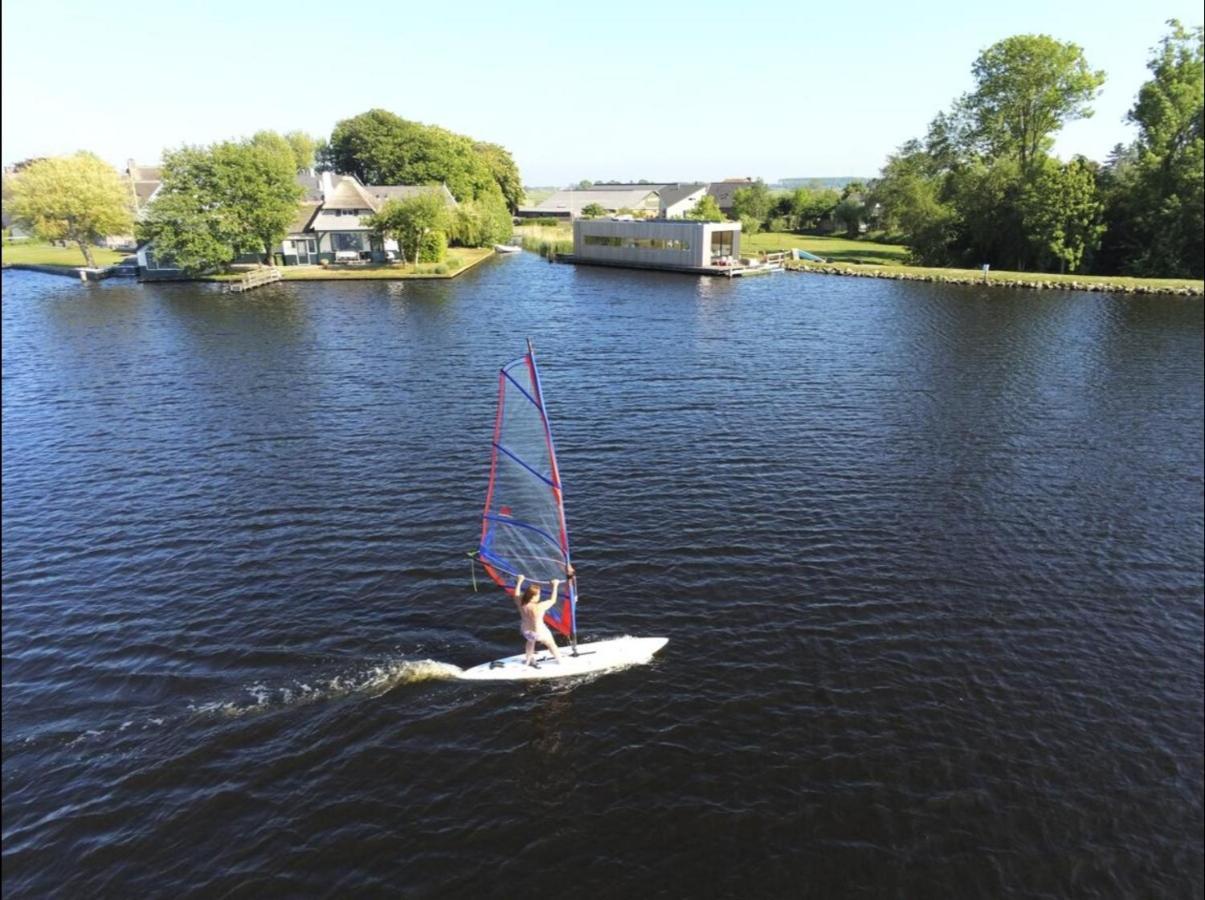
[{"x": 929, "y": 559}]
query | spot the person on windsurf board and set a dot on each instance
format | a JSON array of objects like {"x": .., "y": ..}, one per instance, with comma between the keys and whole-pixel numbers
[{"x": 531, "y": 618}]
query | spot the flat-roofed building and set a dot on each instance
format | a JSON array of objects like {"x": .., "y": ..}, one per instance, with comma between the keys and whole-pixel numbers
[{"x": 657, "y": 243}]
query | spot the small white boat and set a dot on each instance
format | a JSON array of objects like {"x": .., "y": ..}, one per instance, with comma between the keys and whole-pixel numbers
[{"x": 507, "y": 248}]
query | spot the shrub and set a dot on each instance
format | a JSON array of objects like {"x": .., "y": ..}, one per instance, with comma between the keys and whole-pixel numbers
[
  {"x": 434, "y": 247},
  {"x": 750, "y": 225}
]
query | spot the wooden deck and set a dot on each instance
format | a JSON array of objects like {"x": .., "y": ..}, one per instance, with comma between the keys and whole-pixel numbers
[
  {"x": 253, "y": 279},
  {"x": 713, "y": 271}
]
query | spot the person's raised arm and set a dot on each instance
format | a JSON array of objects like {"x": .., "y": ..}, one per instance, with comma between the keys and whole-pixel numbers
[
  {"x": 552, "y": 600},
  {"x": 518, "y": 586}
]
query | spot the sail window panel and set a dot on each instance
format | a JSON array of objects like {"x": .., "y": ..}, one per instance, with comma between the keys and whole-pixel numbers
[
  {"x": 527, "y": 500},
  {"x": 523, "y": 433}
]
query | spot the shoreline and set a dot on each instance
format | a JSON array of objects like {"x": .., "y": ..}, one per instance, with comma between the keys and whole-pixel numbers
[
  {"x": 310, "y": 273},
  {"x": 1038, "y": 281}
]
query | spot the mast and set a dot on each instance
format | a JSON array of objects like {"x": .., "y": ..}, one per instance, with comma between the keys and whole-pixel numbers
[{"x": 570, "y": 583}]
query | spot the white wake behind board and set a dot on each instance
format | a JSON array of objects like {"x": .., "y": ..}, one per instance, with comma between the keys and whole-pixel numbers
[{"x": 598, "y": 656}]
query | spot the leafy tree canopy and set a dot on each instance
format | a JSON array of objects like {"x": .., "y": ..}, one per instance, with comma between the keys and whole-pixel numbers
[
  {"x": 1062, "y": 212},
  {"x": 76, "y": 198},
  {"x": 221, "y": 201},
  {"x": 410, "y": 221},
  {"x": 752, "y": 202},
  {"x": 1027, "y": 87},
  {"x": 706, "y": 210},
  {"x": 1166, "y": 184},
  {"x": 379, "y": 147},
  {"x": 593, "y": 210},
  {"x": 304, "y": 149}
]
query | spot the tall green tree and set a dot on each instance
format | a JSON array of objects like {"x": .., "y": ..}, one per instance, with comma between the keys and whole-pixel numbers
[
  {"x": 985, "y": 196},
  {"x": 910, "y": 192},
  {"x": 1167, "y": 187},
  {"x": 189, "y": 234},
  {"x": 379, "y": 147},
  {"x": 506, "y": 174},
  {"x": 304, "y": 149},
  {"x": 1063, "y": 213},
  {"x": 810, "y": 205},
  {"x": 242, "y": 196},
  {"x": 752, "y": 202},
  {"x": 851, "y": 213},
  {"x": 74, "y": 198},
  {"x": 1027, "y": 87}
]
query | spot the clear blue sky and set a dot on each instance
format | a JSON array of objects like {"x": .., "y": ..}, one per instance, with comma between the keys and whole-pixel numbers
[{"x": 626, "y": 90}]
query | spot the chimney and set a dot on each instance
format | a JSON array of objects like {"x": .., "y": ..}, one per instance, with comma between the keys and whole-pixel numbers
[{"x": 328, "y": 187}]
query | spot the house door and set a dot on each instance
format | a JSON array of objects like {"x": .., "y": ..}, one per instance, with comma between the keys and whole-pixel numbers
[{"x": 306, "y": 250}]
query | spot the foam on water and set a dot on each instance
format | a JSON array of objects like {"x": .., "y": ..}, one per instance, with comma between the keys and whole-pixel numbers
[{"x": 372, "y": 682}]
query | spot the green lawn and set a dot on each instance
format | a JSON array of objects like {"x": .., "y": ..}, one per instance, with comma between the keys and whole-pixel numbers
[
  {"x": 459, "y": 259},
  {"x": 36, "y": 253},
  {"x": 834, "y": 249}
]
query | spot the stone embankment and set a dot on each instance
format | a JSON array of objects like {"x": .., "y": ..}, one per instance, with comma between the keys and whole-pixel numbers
[{"x": 999, "y": 280}]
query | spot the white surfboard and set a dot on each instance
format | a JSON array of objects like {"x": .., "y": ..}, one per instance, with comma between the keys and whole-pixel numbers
[{"x": 599, "y": 656}]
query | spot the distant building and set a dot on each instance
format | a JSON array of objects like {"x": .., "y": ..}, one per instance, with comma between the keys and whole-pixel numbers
[
  {"x": 666, "y": 200},
  {"x": 657, "y": 243},
  {"x": 679, "y": 199},
  {"x": 641, "y": 199},
  {"x": 723, "y": 192}
]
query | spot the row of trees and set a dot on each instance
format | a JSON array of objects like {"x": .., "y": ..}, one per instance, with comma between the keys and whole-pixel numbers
[
  {"x": 982, "y": 187},
  {"x": 239, "y": 198}
]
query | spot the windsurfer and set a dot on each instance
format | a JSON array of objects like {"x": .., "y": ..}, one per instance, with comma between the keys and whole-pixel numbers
[{"x": 531, "y": 618}]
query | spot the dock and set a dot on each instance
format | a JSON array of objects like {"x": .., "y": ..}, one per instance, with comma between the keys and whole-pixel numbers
[
  {"x": 734, "y": 271},
  {"x": 253, "y": 279}
]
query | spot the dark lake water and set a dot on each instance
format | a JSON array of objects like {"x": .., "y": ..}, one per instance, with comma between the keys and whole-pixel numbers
[{"x": 929, "y": 559}]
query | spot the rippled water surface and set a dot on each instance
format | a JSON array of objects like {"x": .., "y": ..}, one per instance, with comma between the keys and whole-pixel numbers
[{"x": 929, "y": 559}]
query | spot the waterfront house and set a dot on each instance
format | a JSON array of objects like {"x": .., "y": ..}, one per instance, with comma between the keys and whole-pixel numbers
[
  {"x": 335, "y": 227},
  {"x": 684, "y": 244},
  {"x": 679, "y": 199},
  {"x": 330, "y": 224}
]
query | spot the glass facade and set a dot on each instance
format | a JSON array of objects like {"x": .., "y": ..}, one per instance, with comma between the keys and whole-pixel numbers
[
  {"x": 598, "y": 240},
  {"x": 721, "y": 244}
]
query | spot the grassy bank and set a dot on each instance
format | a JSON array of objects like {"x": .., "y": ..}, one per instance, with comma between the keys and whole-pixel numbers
[
  {"x": 36, "y": 253},
  {"x": 1001, "y": 278},
  {"x": 834, "y": 249},
  {"x": 459, "y": 260},
  {"x": 546, "y": 239},
  {"x": 878, "y": 260}
]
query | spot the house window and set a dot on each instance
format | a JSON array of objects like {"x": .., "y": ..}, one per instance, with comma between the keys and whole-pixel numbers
[
  {"x": 721, "y": 244},
  {"x": 348, "y": 240}
]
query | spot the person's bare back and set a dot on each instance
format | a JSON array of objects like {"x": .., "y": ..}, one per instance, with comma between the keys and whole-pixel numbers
[{"x": 531, "y": 617}]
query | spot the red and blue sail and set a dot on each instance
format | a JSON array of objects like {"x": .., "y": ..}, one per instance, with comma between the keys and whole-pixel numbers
[{"x": 523, "y": 527}]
